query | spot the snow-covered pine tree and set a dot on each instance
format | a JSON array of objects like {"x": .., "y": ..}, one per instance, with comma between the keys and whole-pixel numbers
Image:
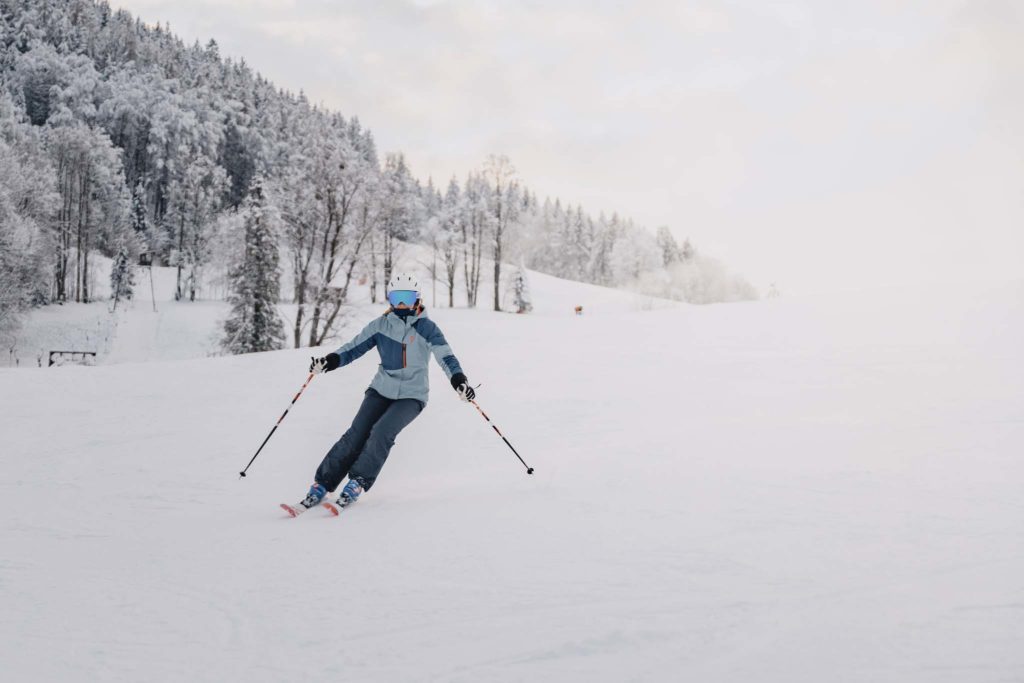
[
  {"x": 687, "y": 251},
  {"x": 122, "y": 276},
  {"x": 605, "y": 234},
  {"x": 401, "y": 210},
  {"x": 670, "y": 251},
  {"x": 254, "y": 323},
  {"x": 138, "y": 211},
  {"x": 521, "y": 291}
]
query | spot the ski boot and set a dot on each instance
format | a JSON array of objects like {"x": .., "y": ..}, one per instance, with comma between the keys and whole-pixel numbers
[
  {"x": 350, "y": 494},
  {"x": 313, "y": 498}
]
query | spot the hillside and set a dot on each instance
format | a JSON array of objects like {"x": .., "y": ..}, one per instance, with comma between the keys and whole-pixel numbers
[
  {"x": 792, "y": 490},
  {"x": 155, "y": 327},
  {"x": 156, "y": 147}
]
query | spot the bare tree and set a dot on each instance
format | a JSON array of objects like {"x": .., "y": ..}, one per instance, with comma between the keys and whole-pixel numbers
[
  {"x": 476, "y": 218},
  {"x": 449, "y": 231},
  {"x": 339, "y": 248},
  {"x": 327, "y": 208},
  {"x": 299, "y": 203},
  {"x": 92, "y": 203},
  {"x": 505, "y": 210}
]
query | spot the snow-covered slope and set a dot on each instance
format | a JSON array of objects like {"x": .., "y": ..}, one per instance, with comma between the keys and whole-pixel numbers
[
  {"x": 151, "y": 327},
  {"x": 791, "y": 490}
]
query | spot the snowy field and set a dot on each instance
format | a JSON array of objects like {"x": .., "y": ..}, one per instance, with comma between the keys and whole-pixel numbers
[{"x": 789, "y": 490}]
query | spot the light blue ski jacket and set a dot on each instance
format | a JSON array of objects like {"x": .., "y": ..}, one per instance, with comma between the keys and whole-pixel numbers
[{"x": 405, "y": 347}]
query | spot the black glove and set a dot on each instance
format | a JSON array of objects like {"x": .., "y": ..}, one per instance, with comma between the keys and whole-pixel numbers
[
  {"x": 329, "y": 362},
  {"x": 461, "y": 385}
]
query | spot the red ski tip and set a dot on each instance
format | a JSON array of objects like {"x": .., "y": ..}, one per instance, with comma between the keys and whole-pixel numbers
[
  {"x": 288, "y": 508},
  {"x": 330, "y": 506}
]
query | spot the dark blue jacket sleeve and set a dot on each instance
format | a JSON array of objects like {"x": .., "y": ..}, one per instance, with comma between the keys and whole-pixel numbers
[
  {"x": 360, "y": 344},
  {"x": 443, "y": 353}
]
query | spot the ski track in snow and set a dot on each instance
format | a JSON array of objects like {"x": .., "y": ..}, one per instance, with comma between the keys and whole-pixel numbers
[{"x": 790, "y": 490}]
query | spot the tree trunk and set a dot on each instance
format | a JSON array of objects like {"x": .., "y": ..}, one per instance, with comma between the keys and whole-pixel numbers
[
  {"x": 181, "y": 256},
  {"x": 300, "y": 299},
  {"x": 497, "y": 270},
  {"x": 314, "y": 321},
  {"x": 497, "y": 280},
  {"x": 302, "y": 260},
  {"x": 497, "y": 250},
  {"x": 86, "y": 242},
  {"x": 194, "y": 255},
  {"x": 66, "y": 177},
  {"x": 78, "y": 238},
  {"x": 373, "y": 270}
]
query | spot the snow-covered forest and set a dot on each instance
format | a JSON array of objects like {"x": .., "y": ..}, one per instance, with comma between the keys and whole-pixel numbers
[{"x": 117, "y": 139}]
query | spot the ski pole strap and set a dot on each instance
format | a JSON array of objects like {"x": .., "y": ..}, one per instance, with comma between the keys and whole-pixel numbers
[{"x": 529, "y": 470}]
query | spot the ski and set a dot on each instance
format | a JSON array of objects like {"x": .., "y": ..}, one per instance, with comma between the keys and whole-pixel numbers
[
  {"x": 336, "y": 507},
  {"x": 296, "y": 509},
  {"x": 293, "y": 510},
  {"x": 317, "y": 493}
]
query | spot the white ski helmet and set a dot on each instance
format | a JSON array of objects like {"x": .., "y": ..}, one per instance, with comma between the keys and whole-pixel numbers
[{"x": 403, "y": 281}]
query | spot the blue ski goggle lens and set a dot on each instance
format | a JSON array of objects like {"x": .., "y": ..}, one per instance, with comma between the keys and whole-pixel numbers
[{"x": 403, "y": 296}]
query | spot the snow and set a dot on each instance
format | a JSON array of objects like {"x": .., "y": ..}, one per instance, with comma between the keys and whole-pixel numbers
[
  {"x": 135, "y": 332},
  {"x": 790, "y": 490}
]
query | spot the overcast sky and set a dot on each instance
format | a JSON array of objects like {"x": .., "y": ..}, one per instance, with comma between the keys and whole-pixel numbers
[{"x": 818, "y": 145}]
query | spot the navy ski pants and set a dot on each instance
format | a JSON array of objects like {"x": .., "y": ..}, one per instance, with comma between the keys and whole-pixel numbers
[{"x": 362, "y": 450}]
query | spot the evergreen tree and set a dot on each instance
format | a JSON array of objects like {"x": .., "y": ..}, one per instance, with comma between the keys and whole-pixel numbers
[
  {"x": 138, "y": 210},
  {"x": 605, "y": 234},
  {"x": 122, "y": 276},
  {"x": 521, "y": 291},
  {"x": 687, "y": 251},
  {"x": 237, "y": 158},
  {"x": 670, "y": 251},
  {"x": 254, "y": 323},
  {"x": 401, "y": 210}
]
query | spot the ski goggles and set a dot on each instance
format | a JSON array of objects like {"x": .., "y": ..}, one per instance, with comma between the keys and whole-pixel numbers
[{"x": 403, "y": 296}]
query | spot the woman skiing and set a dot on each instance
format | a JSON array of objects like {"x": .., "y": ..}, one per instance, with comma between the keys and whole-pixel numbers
[{"x": 405, "y": 338}]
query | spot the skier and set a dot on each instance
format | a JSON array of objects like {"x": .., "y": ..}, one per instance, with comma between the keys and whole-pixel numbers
[{"x": 405, "y": 338}]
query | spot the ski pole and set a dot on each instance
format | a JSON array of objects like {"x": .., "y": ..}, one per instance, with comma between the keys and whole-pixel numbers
[
  {"x": 279, "y": 420},
  {"x": 529, "y": 470}
]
